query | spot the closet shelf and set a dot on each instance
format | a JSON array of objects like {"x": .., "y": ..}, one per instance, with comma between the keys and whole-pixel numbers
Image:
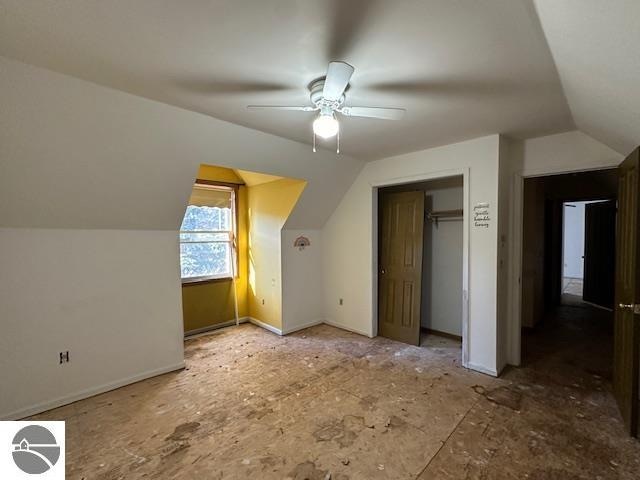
[{"x": 438, "y": 214}]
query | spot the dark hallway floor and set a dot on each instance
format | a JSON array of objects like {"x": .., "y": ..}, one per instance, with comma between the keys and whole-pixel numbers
[
  {"x": 555, "y": 417},
  {"x": 576, "y": 339}
]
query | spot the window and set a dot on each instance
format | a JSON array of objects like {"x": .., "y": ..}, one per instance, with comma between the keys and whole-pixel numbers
[{"x": 206, "y": 232}]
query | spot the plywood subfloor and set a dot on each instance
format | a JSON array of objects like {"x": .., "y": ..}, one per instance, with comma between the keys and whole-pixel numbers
[{"x": 328, "y": 404}]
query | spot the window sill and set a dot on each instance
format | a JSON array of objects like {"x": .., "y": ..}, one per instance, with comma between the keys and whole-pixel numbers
[{"x": 200, "y": 280}]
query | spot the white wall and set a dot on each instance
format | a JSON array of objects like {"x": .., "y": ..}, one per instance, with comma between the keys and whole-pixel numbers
[
  {"x": 442, "y": 272},
  {"x": 565, "y": 152},
  {"x": 302, "y": 300},
  {"x": 573, "y": 240},
  {"x": 349, "y": 239},
  {"x": 109, "y": 297},
  {"x": 75, "y": 156},
  {"x": 509, "y": 150}
]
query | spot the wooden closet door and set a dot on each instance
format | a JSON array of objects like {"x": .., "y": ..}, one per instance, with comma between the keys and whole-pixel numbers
[{"x": 400, "y": 269}]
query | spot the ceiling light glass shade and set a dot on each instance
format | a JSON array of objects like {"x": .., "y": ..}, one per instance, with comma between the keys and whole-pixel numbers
[{"x": 325, "y": 126}]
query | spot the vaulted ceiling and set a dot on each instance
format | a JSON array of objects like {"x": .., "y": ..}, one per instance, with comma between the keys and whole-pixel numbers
[
  {"x": 596, "y": 47},
  {"x": 462, "y": 69}
]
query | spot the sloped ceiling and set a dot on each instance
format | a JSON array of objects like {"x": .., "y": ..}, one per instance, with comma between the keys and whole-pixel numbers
[
  {"x": 596, "y": 47},
  {"x": 462, "y": 69},
  {"x": 74, "y": 154}
]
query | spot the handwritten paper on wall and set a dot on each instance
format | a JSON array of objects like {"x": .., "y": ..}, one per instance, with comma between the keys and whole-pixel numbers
[{"x": 481, "y": 216}]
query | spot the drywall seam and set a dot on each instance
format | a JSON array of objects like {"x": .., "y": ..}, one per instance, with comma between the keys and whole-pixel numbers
[{"x": 89, "y": 392}]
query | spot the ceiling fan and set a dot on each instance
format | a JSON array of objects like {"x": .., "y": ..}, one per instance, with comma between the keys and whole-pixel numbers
[{"x": 327, "y": 95}]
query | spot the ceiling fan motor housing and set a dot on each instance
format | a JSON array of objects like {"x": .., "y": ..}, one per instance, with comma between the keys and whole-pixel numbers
[{"x": 318, "y": 99}]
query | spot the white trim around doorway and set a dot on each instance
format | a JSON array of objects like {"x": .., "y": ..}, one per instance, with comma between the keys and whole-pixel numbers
[
  {"x": 516, "y": 214},
  {"x": 375, "y": 185}
]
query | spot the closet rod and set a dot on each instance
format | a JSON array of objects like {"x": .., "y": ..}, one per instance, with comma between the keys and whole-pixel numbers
[{"x": 435, "y": 215}]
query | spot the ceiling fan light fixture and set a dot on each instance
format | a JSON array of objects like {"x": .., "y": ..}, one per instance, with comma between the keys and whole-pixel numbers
[
  {"x": 327, "y": 95},
  {"x": 326, "y": 125}
]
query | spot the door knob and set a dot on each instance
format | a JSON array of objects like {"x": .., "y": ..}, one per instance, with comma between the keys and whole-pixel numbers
[{"x": 383, "y": 271}]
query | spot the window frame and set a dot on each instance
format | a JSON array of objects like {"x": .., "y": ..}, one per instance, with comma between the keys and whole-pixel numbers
[{"x": 234, "y": 228}]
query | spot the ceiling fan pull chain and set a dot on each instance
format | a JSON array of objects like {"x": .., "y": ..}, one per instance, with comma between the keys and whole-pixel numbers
[
  {"x": 338, "y": 143},
  {"x": 314, "y": 142}
]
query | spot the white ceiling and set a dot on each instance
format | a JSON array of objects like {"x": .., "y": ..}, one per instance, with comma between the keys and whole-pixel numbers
[
  {"x": 596, "y": 46},
  {"x": 74, "y": 154},
  {"x": 462, "y": 69}
]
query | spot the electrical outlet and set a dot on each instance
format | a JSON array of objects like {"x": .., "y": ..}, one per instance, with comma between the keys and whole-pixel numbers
[
  {"x": 64, "y": 357},
  {"x": 341, "y": 302},
  {"x": 263, "y": 301}
]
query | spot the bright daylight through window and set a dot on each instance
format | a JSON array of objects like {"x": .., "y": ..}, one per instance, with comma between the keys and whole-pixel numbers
[{"x": 206, "y": 233}]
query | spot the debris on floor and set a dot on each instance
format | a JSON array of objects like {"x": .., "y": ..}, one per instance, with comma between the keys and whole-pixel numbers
[{"x": 328, "y": 404}]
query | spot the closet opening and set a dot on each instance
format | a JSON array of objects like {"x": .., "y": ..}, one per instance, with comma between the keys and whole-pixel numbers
[{"x": 420, "y": 262}]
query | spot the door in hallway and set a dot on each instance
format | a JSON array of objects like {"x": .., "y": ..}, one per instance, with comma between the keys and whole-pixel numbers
[
  {"x": 599, "y": 253},
  {"x": 400, "y": 266},
  {"x": 627, "y": 302}
]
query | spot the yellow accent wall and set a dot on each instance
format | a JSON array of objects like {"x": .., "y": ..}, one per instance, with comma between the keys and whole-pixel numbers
[
  {"x": 208, "y": 304},
  {"x": 262, "y": 212},
  {"x": 270, "y": 204}
]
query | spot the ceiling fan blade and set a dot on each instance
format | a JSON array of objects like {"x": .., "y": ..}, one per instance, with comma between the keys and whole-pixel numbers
[
  {"x": 338, "y": 76},
  {"x": 455, "y": 87},
  {"x": 206, "y": 84},
  {"x": 281, "y": 107},
  {"x": 374, "y": 112}
]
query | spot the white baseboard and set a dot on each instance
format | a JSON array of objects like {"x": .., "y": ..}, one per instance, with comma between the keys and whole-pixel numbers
[
  {"x": 302, "y": 326},
  {"x": 89, "y": 392},
  {"x": 482, "y": 369},
  {"x": 266, "y": 326},
  {"x": 199, "y": 331},
  {"x": 349, "y": 329}
]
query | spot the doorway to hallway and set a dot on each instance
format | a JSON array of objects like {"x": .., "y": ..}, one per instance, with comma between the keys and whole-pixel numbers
[
  {"x": 568, "y": 272},
  {"x": 567, "y": 335},
  {"x": 556, "y": 237}
]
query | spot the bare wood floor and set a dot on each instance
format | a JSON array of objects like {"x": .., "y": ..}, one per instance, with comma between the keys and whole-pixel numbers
[{"x": 328, "y": 404}]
